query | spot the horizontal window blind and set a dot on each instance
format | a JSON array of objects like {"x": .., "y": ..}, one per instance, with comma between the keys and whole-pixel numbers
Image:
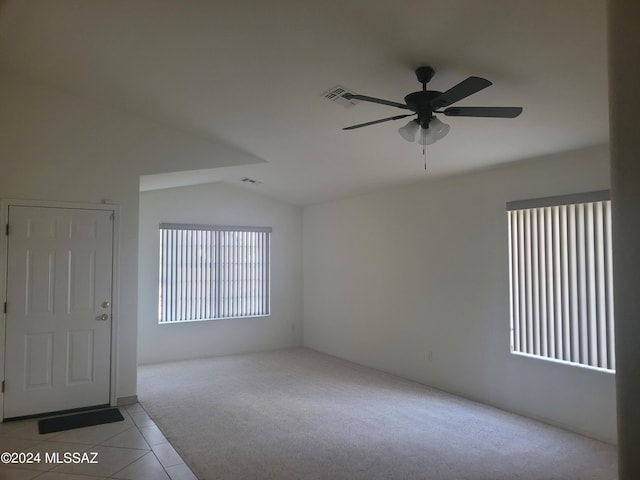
[
  {"x": 561, "y": 283},
  {"x": 209, "y": 272}
]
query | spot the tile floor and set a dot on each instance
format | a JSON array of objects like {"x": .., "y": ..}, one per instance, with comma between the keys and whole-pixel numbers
[{"x": 134, "y": 449}]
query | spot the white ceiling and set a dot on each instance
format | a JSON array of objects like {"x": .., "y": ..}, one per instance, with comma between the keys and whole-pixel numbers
[{"x": 252, "y": 74}]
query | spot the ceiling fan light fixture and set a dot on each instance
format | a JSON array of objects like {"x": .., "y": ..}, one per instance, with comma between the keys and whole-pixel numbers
[
  {"x": 436, "y": 131},
  {"x": 409, "y": 131}
]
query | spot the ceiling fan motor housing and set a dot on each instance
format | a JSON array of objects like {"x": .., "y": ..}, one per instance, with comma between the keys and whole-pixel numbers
[{"x": 419, "y": 102}]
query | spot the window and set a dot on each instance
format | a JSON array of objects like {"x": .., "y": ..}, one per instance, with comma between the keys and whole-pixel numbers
[
  {"x": 209, "y": 272},
  {"x": 561, "y": 281}
]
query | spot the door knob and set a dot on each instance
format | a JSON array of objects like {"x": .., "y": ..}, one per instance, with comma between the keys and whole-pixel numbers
[
  {"x": 106, "y": 304},
  {"x": 104, "y": 316}
]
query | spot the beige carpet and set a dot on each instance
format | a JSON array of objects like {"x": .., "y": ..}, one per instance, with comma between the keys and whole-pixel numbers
[{"x": 299, "y": 414}]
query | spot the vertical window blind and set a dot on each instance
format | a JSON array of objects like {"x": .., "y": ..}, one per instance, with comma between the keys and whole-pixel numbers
[
  {"x": 210, "y": 272},
  {"x": 561, "y": 279}
]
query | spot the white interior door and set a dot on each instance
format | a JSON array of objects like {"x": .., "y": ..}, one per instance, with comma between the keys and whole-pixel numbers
[{"x": 58, "y": 322}]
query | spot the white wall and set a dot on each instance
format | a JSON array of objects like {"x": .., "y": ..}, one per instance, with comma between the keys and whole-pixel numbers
[
  {"x": 220, "y": 204},
  {"x": 394, "y": 275},
  {"x": 60, "y": 147}
]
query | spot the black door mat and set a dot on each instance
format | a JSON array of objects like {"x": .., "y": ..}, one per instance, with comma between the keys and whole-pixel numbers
[{"x": 79, "y": 420}]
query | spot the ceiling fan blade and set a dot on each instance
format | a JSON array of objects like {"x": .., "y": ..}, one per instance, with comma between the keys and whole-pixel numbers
[
  {"x": 381, "y": 101},
  {"x": 462, "y": 90},
  {"x": 397, "y": 117},
  {"x": 496, "y": 112}
]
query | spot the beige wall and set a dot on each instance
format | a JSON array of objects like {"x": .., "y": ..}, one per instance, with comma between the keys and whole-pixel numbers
[{"x": 414, "y": 281}]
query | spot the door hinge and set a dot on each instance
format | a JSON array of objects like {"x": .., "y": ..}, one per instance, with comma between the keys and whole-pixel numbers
[
  {"x": 5, "y": 307},
  {"x": 2, "y": 386}
]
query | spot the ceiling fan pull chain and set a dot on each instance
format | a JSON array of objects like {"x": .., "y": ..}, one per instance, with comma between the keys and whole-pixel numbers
[
  {"x": 423, "y": 133},
  {"x": 424, "y": 152}
]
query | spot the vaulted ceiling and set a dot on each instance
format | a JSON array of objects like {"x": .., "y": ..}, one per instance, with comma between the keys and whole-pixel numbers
[{"x": 251, "y": 74}]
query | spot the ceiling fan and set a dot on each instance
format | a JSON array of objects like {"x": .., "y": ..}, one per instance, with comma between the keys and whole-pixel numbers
[{"x": 425, "y": 103}]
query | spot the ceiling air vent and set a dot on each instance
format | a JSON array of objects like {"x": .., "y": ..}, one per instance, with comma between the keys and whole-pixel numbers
[{"x": 336, "y": 94}]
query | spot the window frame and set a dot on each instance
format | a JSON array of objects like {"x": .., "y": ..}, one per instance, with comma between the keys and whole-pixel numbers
[
  {"x": 564, "y": 241},
  {"x": 213, "y": 272}
]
